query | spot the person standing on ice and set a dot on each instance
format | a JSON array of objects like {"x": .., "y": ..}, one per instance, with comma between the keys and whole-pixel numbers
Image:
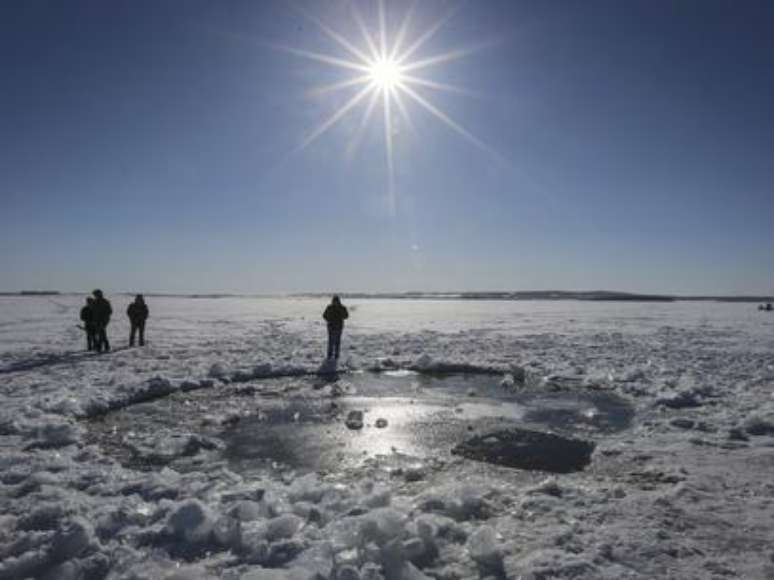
[
  {"x": 102, "y": 311},
  {"x": 138, "y": 314},
  {"x": 87, "y": 317},
  {"x": 335, "y": 315}
]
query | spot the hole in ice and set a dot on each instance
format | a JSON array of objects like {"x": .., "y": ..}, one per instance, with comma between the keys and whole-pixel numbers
[
  {"x": 302, "y": 423},
  {"x": 528, "y": 449}
]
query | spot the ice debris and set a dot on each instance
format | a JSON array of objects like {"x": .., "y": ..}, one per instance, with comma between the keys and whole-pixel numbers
[
  {"x": 53, "y": 432},
  {"x": 354, "y": 420},
  {"x": 484, "y": 549},
  {"x": 759, "y": 425}
]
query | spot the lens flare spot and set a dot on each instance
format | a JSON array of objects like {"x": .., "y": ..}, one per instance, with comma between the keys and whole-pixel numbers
[{"x": 386, "y": 74}]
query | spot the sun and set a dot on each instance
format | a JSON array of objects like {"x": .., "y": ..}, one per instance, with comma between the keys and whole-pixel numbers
[
  {"x": 386, "y": 71},
  {"x": 386, "y": 74}
]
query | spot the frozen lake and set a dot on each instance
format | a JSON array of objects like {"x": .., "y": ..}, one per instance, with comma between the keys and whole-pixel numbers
[
  {"x": 219, "y": 450},
  {"x": 33, "y": 324}
]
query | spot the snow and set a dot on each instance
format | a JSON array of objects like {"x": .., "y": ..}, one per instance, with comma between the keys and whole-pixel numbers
[
  {"x": 483, "y": 548},
  {"x": 685, "y": 492}
]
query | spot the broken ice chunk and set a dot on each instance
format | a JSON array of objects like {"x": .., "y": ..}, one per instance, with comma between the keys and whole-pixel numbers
[
  {"x": 354, "y": 420},
  {"x": 483, "y": 548}
]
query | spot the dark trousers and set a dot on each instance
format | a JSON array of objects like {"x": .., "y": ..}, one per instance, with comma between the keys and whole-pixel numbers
[
  {"x": 138, "y": 327},
  {"x": 101, "y": 340},
  {"x": 334, "y": 342},
  {"x": 91, "y": 338}
]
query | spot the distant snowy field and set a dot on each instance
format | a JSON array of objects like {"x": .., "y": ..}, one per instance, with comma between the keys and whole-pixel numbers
[{"x": 686, "y": 492}]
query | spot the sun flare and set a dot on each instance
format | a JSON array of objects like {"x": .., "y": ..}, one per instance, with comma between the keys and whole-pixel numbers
[
  {"x": 386, "y": 74},
  {"x": 387, "y": 71}
]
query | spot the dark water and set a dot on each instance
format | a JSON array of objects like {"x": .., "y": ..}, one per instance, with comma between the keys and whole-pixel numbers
[{"x": 285, "y": 424}]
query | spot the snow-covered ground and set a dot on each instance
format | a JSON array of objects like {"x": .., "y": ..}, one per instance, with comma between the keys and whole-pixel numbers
[{"x": 686, "y": 492}]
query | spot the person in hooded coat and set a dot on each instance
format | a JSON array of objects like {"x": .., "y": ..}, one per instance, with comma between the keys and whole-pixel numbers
[
  {"x": 335, "y": 315},
  {"x": 138, "y": 314},
  {"x": 87, "y": 317},
  {"x": 101, "y": 310}
]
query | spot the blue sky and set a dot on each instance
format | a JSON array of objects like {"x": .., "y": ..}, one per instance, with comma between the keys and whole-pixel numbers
[{"x": 154, "y": 146}]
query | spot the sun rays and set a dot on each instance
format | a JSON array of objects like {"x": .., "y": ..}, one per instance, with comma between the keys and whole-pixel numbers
[
  {"x": 386, "y": 74},
  {"x": 385, "y": 70}
]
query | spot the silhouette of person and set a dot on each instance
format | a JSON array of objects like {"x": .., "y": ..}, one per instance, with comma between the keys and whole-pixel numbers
[
  {"x": 87, "y": 317},
  {"x": 335, "y": 315},
  {"x": 138, "y": 314},
  {"x": 101, "y": 311}
]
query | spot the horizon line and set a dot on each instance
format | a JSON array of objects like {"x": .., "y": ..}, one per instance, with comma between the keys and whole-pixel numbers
[{"x": 598, "y": 294}]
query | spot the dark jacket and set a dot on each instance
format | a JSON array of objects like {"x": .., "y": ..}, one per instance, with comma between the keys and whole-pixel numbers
[
  {"x": 101, "y": 311},
  {"x": 137, "y": 312},
  {"x": 335, "y": 315},
  {"x": 87, "y": 316}
]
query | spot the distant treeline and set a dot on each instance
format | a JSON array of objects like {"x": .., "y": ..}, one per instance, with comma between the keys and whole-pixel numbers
[
  {"x": 32, "y": 293},
  {"x": 521, "y": 295},
  {"x": 590, "y": 295}
]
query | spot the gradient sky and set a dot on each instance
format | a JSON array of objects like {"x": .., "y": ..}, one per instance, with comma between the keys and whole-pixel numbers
[{"x": 153, "y": 146}]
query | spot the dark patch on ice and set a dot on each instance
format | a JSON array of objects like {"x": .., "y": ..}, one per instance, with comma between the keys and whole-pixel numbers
[
  {"x": 737, "y": 434},
  {"x": 759, "y": 426},
  {"x": 683, "y": 400},
  {"x": 683, "y": 423},
  {"x": 527, "y": 449},
  {"x": 448, "y": 369}
]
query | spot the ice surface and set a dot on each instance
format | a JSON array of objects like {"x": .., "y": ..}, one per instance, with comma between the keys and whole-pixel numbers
[
  {"x": 685, "y": 493},
  {"x": 550, "y": 564}
]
